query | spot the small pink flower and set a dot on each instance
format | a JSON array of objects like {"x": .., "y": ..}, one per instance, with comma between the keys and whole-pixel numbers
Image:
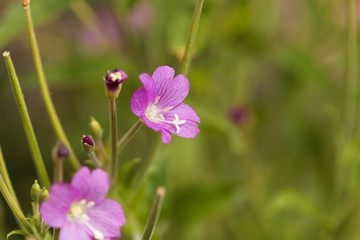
[
  {"x": 160, "y": 104},
  {"x": 80, "y": 209}
]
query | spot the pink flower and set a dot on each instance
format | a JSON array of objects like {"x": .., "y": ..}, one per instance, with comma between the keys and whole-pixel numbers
[
  {"x": 80, "y": 209},
  {"x": 160, "y": 105}
]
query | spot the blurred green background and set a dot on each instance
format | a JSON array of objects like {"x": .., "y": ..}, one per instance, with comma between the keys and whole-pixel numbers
[{"x": 267, "y": 80}]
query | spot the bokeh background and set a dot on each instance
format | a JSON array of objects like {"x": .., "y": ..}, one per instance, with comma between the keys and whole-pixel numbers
[{"x": 267, "y": 80}]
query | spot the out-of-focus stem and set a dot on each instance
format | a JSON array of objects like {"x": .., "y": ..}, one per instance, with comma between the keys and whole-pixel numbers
[
  {"x": 95, "y": 159},
  {"x": 113, "y": 143},
  {"x": 4, "y": 173},
  {"x": 34, "y": 147},
  {"x": 58, "y": 172},
  {"x": 129, "y": 135},
  {"x": 100, "y": 146},
  {"x": 154, "y": 214},
  {"x": 45, "y": 90},
  {"x": 192, "y": 36},
  {"x": 351, "y": 72},
  {"x": 13, "y": 206},
  {"x": 141, "y": 175}
]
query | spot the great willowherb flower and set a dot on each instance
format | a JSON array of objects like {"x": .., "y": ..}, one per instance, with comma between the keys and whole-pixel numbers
[
  {"x": 160, "y": 104},
  {"x": 113, "y": 81},
  {"x": 80, "y": 209}
]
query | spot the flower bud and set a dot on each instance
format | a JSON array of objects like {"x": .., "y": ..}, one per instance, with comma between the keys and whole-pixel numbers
[
  {"x": 88, "y": 144},
  {"x": 61, "y": 151},
  {"x": 25, "y": 3},
  {"x": 44, "y": 195},
  {"x": 113, "y": 82},
  {"x": 35, "y": 191},
  {"x": 95, "y": 128}
]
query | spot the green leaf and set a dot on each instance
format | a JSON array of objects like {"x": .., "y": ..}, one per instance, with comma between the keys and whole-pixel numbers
[{"x": 16, "y": 232}]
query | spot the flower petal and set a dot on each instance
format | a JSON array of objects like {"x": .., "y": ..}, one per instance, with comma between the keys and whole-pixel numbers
[
  {"x": 163, "y": 77},
  {"x": 139, "y": 102},
  {"x": 155, "y": 126},
  {"x": 73, "y": 230},
  {"x": 150, "y": 86},
  {"x": 187, "y": 130},
  {"x": 93, "y": 186},
  {"x": 184, "y": 112},
  {"x": 165, "y": 136},
  {"x": 174, "y": 92},
  {"x": 54, "y": 212},
  {"x": 107, "y": 217}
]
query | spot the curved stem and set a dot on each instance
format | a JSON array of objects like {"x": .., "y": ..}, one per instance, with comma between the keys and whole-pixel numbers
[
  {"x": 154, "y": 214},
  {"x": 45, "y": 90},
  {"x": 14, "y": 207},
  {"x": 192, "y": 36},
  {"x": 4, "y": 173},
  {"x": 19, "y": 97}
]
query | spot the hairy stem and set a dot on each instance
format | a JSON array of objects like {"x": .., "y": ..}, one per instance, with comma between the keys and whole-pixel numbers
[
  {"x": 113, "y": 134},
  {"x": 192, "y": 36},
  {"x": 34, "y": 147},
  {"x": 4, "y": 173},
  {"x": 45, "y": 90},
  {"x": 154, "y": 214},
  {"x": 13, "y": 206}
]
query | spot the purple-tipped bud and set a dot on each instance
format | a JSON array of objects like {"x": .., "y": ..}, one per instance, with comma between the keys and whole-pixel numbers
[
  {"x": 113, "y": 82},
  {"x": 62, "y": 151},
  {"x": 88, "y": 143},
  {"x": 237, "y": 114}
]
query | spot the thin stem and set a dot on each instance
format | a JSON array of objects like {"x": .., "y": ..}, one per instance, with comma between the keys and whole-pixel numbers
[
  {"x": 192, "y": 36},
  {"x": 58, "y": 176},
  {"x": 113, "y": 134},
  {"x": 351, "y": 71},
  {"x": 45, "y": 90},
  {"x": 95, "y": 159},
  {"x": 145, "y": 167},
  {"x": 129, "y": 135},
  {"x": 100, "y": 146},
  {"x": 35, "y": 209},
  {"x": 13, "y": 206},
  {"x": 34, "y": 147},
  {"x": 154, "y": 214},
  {"x": 4, "y": 173}
]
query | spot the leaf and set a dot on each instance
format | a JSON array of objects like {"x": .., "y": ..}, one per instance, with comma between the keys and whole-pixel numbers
[{"x": 17, "y": 232}]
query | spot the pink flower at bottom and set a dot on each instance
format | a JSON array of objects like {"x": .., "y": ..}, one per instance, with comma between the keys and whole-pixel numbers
[
  {"x": 160, "y": 104},
  {"x": 80, "y": 209}
]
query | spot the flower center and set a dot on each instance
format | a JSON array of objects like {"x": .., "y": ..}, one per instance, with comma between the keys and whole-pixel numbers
[
  {"x": 77, "y": 213},
  {"x": 154, "y": 114},
  {"x": 115, "y": 76}
]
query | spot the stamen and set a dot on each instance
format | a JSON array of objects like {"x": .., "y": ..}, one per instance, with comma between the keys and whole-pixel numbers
[
  {"x": 157, "y": 99},
  {"x": 168, "y": 109}
]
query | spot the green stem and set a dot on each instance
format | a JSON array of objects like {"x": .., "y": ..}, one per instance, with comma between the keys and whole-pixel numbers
[
  {"x": 95, "y": 159},
  {"x": 113, "y": 134},
  {"x": 58, "y": 176},
  {"x": 351, "y": 71},
  {"x": 13, "y": 206},
  {"x": 34, "y": 147},
  {"x": 141, "y": 175},
  {"x": 4, "y": 173},
  {"x": 45, "y": 90},
  {"x": 154, "y": 214},
  {"x": 191, "y": 40},
  {"x": 129, "y": 135}
]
